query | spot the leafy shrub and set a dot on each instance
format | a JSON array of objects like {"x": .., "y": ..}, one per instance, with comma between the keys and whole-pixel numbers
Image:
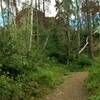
[
  {"x": 9, "y": 88},
  {"x": 84, "y": 60},
  {"x": 50, "y": 76},
  {"x": 23, "y": 75},
  {"x": 34, "y": 82},
  {"x": 96, "y": 97}
]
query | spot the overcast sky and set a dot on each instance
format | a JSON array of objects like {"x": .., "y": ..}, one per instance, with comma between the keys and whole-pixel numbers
[
  {"x": 50, "y": 12},
  {"x": 52, "y": 9}
]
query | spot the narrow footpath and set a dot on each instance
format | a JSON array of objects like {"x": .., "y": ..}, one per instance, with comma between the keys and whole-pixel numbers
[{"x": 73, "y": 88}]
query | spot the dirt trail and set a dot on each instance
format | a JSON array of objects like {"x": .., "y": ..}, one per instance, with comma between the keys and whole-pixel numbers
[{"x": 72, "y": 89}]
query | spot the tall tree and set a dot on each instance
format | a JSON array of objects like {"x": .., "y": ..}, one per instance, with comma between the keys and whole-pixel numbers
[
  {"x": 86, "y": 8},
  {"x": 64, "y": 11}
]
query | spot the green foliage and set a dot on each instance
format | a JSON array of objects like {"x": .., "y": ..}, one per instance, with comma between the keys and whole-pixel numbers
[
  {"x": 32, "y": 82},
  {"x": 24, "y": 75},
  {"x": 93, "y": 82},
  {"x": 50, "y": 76},
  {"x": 79, "y": 63},
  {"x": 9, "y": 88},
  {"x": 84, "y": 60},
  {"x": 96, "y": 97}
]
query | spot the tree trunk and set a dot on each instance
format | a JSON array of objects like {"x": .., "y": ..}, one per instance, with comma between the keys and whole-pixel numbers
[
  {"x": 30, "y": 38},
  {"x": 2, "y": 13},
  {"x": 44, "y": 7},
  {"x": 78, "y": 26},
  {"x": 15, "y": 5},
  {"x": 90, "y": 40}
]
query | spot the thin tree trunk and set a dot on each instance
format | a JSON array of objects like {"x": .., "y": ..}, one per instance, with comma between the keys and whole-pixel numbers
[
  {"x": 15, "y": 5},
  {"x": 90, "y": 40},
  {"x": 38, "y": 21},
  {"x": 2, "y": 13},
  {"x": 30, "y": 40},
  {"x": 44, "y": 7},
  {"x": 78, "y": 27},
  {"x": 68, "y": 37},
  {"x": 8, "y": 12}
]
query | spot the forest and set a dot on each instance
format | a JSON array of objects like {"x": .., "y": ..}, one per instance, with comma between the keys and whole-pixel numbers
[{"x": 49, "y": 49}]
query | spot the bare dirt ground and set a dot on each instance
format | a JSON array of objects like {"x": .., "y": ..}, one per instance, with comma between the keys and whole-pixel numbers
[{"x": 73, "y": 88}]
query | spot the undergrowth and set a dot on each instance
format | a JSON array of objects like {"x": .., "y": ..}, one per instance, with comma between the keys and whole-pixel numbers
[
  {"x": 35, "y": 81},
  {"x": 93, "y": 82}
]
